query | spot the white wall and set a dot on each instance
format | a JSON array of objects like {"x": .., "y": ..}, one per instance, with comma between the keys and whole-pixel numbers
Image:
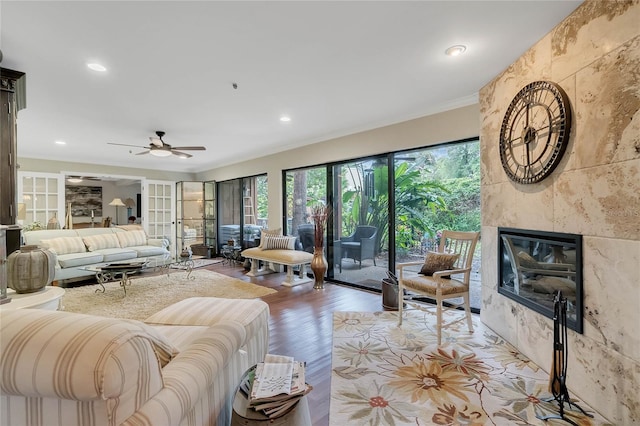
[{"x": 457, "y": 124}]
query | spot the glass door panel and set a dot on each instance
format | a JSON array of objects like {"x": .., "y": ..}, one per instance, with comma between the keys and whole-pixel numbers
[
  {"x": 437, "y": 188},
  {"x": 40, "y": 200},
  {"x": 210, "y": 232},
  {"x": 360, "y": 222},
  {"x": 305, "y": 188},
  {"x": 158, "y": 210},
  {"x": 229, "y": 212}
]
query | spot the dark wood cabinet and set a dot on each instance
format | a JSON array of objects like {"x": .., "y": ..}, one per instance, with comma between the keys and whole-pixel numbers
[{"x": 9, "y": 87}]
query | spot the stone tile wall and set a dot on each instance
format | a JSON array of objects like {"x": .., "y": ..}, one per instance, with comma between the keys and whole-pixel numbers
[{"x": 594, "y": 54}]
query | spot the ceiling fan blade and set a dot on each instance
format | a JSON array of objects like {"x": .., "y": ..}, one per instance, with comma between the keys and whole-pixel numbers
[
  {"x": 190, "y": 148},
  {"x": 125, "y": 144},
  {"x": 181, "y": 154},
  {"x": 143, "y": 152}
]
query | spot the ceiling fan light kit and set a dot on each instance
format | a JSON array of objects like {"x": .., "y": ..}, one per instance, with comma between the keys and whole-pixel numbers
[{"x": 158, "y": 152}]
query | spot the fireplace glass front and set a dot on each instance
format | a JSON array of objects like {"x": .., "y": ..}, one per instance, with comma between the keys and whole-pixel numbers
[{"x": 534, "y": 265}]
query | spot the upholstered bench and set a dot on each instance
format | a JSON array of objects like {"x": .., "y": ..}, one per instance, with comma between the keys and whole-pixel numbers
[{"x": 289, "y": 258}]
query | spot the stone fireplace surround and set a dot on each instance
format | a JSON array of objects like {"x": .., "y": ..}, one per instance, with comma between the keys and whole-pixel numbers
[{"x": 594, "y": 54}]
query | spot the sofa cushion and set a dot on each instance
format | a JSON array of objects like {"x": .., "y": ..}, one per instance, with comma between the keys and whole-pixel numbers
[
  {"x": 65, "y": 245},
  {"x": 116, "y": 254},
  {"x": 146, "y": 251},
  {"x": 207, "y": 311},
  {"x": 101, "y": 241},
  {"x": 82, "y": 357},
  {"x": 79, "y": 259},
  {"x": 131, "y": 238},
  {"x": 36, "y": 237}
]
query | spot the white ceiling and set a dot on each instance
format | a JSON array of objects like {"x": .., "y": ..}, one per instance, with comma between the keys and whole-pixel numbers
[{"x": 334, "y": 67}]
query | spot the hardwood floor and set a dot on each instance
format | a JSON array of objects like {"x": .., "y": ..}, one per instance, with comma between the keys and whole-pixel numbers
[{"x": 301, "y": 326}]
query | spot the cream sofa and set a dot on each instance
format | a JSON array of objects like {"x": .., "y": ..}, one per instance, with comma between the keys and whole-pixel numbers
[
  {"x": 181, "y": 366},
  {"x": 75, "y": 249}
]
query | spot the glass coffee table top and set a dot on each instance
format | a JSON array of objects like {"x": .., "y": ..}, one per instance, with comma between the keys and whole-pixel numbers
[{"x": 123, "y": 270}]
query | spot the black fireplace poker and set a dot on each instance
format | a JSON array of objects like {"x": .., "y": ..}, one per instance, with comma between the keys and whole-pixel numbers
[{"x": 558, "y": 381}]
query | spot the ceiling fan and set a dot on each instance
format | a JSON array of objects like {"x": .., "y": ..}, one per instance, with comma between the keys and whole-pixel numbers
[
  {"x": 79, "y": 179},
  {"x": 160, "y": 148}
]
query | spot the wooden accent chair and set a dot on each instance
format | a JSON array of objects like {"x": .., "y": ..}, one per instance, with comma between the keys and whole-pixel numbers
[{"x": 442, "y": 284}]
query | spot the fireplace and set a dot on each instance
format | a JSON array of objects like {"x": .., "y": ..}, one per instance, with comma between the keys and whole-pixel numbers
[{"x": 534, "y": 265}]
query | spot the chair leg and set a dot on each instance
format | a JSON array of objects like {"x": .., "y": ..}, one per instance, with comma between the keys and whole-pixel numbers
[
  {"x": 467, "y": 308},
  {"x": 400, "y": 304},
  {"x": 439, "y": 320}
]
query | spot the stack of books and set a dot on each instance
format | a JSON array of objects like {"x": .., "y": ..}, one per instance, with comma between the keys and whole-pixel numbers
[{"x": 275, "y": 386}]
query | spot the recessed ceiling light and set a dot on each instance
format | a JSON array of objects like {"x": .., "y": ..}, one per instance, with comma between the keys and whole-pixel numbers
[
  {"x": 285, "y": 118},
  {"x": 61, "y": 143},
  {"x": 96, "y": 67},
  {"x": 456, "y": 50}
]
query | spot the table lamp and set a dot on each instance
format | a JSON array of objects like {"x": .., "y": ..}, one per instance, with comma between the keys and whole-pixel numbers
[
  {"x": 130, "y": 205},
  {"x": 117, "y": 202}
]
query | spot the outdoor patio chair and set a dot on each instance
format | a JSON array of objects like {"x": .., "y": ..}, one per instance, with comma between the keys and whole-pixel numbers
[
  {"x": 360, "y": 245},
  {"x": 440, "y": 277},
  {"x": 306, "y": 237}
]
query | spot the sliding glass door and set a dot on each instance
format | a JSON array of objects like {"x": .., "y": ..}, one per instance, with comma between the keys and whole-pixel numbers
[
  {"x": 387, "y": 209},
  {"x": 242, "y": 212},
  {"x": 361, "y": 221}
]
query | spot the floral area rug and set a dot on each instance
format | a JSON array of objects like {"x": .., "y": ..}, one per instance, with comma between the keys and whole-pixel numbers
[{"x": 383, "y": 374}]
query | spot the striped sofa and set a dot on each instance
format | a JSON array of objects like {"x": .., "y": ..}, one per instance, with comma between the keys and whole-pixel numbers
[
  {"x": 76, "y": 249},
  {"x": 181, "y": 366}
]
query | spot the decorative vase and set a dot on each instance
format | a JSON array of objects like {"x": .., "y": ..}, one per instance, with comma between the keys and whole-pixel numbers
[
  {"x": 30, "y": 269},
  {"x": 68, "y": 220},
  {"x": 319, "y": 267}
]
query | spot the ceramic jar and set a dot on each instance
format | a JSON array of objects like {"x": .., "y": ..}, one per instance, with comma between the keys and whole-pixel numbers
[{"x": 30, "y": 269}]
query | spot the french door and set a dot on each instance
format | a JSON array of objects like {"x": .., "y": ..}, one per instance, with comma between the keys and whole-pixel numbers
[{"x": 159, "y": 210}]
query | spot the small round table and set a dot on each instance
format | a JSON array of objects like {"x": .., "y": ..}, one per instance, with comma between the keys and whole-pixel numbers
[
  {"x": 231, "y": 253},
  {"x": 244, "y": 415},
  {"x": 48, "y": 298}
]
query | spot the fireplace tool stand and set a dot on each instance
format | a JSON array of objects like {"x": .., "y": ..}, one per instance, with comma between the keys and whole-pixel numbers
[{"x": 557, "y": 382}]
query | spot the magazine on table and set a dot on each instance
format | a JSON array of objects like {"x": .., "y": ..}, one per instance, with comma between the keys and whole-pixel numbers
[{"x": 276, "y": 385}]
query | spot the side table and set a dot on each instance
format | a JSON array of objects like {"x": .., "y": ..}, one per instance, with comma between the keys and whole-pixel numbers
[
  {"x": 48, "y": 298},
  {"x": 231, "y": 253},
  {"x": 243, "y": 415}
]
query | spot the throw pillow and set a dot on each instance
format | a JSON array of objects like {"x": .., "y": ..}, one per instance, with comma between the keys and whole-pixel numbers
[
  {"x": 279, "y": 243},
  {"x": 101, "y": 242},
  {"x": 435, "y": 262},
  {"x": 269, "y": 232},
  {"x": 131, "y": 238},
  {"x": 65, "y": 245}
]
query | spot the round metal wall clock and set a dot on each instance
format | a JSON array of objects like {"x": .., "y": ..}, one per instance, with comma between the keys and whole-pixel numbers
[{"x": 535, "y": 132}]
